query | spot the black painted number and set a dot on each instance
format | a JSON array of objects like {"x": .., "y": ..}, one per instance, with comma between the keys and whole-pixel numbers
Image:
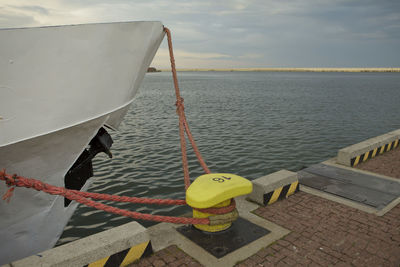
[{"x": 222, "y": 179}]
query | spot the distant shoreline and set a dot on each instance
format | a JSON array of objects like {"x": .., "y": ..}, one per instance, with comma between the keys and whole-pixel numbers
[{"x": 296, "y": 69}]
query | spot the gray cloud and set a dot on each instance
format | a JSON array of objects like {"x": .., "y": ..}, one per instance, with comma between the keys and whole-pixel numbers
[
  {"x": 37, "y": 9},
  {"x": 297, "y": 33}
]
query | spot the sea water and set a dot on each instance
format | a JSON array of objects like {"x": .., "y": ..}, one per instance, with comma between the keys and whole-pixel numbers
[{"x": 246, "y": 123}]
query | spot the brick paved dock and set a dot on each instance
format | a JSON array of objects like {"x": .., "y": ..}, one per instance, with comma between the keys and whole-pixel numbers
[{"x": 323, "y": 233}]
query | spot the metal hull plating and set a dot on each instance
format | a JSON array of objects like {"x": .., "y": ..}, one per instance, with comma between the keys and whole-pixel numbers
[{"x": 58, "y": 86}]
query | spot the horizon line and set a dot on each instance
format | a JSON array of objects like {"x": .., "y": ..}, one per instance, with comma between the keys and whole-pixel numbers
[{"x": 289, "y": 69}]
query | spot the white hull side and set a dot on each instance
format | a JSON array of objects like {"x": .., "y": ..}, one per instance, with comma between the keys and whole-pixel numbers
[
  {"x": 65, "y": 75},
  {"x": 33, "y": 221},
  {"x": 58, "y": 86}
]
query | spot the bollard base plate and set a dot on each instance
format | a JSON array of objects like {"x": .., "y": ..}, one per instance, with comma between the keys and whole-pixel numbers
[{"x": 219, "y": 244}]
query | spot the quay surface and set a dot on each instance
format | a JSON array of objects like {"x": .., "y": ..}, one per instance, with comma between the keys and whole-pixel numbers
[{"x": 308, "y": 227}]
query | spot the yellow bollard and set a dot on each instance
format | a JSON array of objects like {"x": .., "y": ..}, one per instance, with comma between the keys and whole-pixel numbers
[{"x": 215, "y": 190}]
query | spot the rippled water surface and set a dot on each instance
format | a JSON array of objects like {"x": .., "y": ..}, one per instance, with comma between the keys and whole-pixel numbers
[{"x": 247, "y": 123}]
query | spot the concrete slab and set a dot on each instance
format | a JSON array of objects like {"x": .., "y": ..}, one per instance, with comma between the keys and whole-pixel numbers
[
  {"x": 163, "y": 235},
  {"x": 345, "y": 155},
  {"x": 349, "y": 176},
  {"x": 267, "y": 184},
  {"x": 370, "y": 197},
  {"x": 353, "y": 204},
  {"x": 364, "y": 188},
  {"x": 90, "y": 249}
]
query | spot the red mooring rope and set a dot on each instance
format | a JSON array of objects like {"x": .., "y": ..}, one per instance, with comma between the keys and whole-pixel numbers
[
  {"x": 14, "y": 180},
  {"x": 183, "y": 125},
  {"x": 83, "y": 197}
]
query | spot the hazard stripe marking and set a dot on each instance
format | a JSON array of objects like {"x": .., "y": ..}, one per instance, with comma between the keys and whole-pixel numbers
[
  {"x": 293, "y": 188},
  {"x": 275, "y": 195},
  {"x": 125, "y": 257},
  {"x": 281, "y": 193},
  {"x": 267, "y": 197},
  {"x": 375, "y": 152},
  {"x": 116, "y": 259},
  {"x": 366, "y": 156},
  {"x": 357, "y": 160},
  {"x": 284, "y": 192},
  {"x": 389, "y": 146},
  {"x": 134, "y": 254},
  {"x": 99, "y": 263}
]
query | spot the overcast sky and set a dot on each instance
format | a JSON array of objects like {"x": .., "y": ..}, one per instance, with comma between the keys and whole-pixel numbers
[{"x": 242, "y": 33}]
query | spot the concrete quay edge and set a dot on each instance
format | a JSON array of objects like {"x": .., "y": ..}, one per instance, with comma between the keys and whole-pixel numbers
[
  {"x": 269, "y": 183},
  {"x": 89, "y": 249},
  {"x": 346, "y": 154}
]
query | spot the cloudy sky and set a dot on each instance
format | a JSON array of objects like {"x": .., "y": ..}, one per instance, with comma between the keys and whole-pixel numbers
[{"x": 242, "y": 33}]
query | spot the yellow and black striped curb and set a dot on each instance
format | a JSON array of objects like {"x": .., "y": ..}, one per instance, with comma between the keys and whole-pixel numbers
[
  {"x": 374, "y": 152},
  {"x": 125, "y": 257},
  {"x": 281, "y": 193}
]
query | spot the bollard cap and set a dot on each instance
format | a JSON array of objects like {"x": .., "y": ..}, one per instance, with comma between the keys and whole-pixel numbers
[{"x": 210, "y": 189}]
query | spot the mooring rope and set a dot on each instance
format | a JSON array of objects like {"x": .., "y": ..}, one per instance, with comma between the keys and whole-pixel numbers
[
  {"x": 13, "y": 181},
  {"x": 183, "y": 125}
]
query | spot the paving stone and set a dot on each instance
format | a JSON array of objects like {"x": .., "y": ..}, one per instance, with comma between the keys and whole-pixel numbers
[
  {"x": 257, "y": 259},
  {"x": 159, "y": 263}
]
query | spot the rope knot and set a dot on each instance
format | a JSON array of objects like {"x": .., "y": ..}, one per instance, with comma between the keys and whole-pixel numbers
[
  {"x": 179, "y": 104},
  {"x": 10, "y": 181},
  {"x": 7, "y": 196},
  {"x": 3, "y": 174}
]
